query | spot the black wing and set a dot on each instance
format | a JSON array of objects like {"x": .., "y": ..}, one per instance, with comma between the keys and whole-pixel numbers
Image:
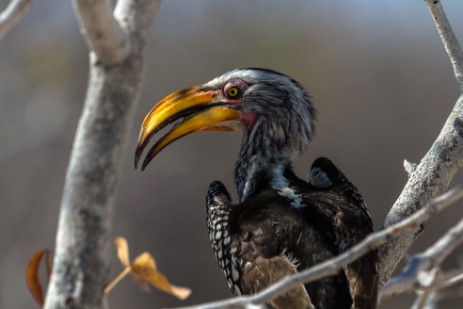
[
  {"x": 351, "y": 223},
  {"x": 246, "y": 248},
  {"x": 218, "y": 206}
]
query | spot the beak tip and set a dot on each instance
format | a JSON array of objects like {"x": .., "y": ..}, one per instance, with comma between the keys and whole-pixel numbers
[
  {"x": 138, "y": 153},
  {"x": 144, "y": 165}
]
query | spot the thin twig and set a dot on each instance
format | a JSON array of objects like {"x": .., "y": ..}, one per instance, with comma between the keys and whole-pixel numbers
[
  {"x": 446, "y": 283},
  {"x": 333, "y": 266},
  {"x": 103, "y": 34},
  {"x": 13, "y": 13},
  {"x": 449, "y": 39},
  {"x": 425, "y": 298},
  {"x": 452, "y": 292}
]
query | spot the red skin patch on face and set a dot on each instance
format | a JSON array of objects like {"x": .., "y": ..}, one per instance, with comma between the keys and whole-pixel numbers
[
  {"x": 248, "y": 119},
  {"x": 235, "y": 83}
]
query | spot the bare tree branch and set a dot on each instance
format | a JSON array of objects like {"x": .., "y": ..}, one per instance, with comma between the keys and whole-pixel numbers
[
  {"x": 448, "y": 281},
  {"x": 448, "y": 38},
  {"x": 424, "y": 300},
  {"x": 452, "y": 292},
  {"x": 433, "y": 174},
  {"x": 333, "y": 266},
  {"x": 13, "y": 13},
  {"x": 422, "y": 267},
  {"x": 104, "y": 35},
  {"x": 82, "y": 256},
  {"x": 427, "y": 298}
]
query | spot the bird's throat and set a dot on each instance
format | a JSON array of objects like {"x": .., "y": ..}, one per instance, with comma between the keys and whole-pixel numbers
[{"x": 258, "y": 168}]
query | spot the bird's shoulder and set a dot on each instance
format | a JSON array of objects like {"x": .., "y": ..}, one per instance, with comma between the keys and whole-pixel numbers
[{"x": 330, "y": 191}]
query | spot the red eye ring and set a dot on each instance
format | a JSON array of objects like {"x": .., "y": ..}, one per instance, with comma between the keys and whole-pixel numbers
[{"x": 233, "y": 90}]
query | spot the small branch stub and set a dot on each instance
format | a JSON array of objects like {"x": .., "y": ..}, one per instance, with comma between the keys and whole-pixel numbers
[{"x": 410, "y": 167}]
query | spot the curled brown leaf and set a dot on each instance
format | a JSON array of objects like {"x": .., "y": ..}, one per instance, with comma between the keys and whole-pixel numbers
[
  {"x": 32, "y": 274},
  {"x": 144, "y": 271}
]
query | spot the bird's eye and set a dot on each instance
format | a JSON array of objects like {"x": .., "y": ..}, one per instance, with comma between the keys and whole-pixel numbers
[{"x": 233, "y": 92}]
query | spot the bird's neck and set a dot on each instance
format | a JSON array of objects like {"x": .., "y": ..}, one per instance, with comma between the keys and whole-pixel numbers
[{"x": 260, "y": 166}]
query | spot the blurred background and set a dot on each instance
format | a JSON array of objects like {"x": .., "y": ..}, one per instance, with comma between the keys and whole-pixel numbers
[{"x": 377, "y": 71}]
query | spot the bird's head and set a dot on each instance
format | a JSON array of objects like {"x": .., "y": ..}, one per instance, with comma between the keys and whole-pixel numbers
[{"x": 272, "y": 109}]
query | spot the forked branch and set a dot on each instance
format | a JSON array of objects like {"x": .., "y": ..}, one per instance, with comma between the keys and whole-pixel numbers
[
  {"x": 104, "y": 35},
  {"x": 433, "y": 174},
  {"x": 421, "y": 268}
]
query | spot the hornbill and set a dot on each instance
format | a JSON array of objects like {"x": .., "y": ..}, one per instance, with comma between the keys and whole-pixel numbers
[{"x": 282, "y": 224}]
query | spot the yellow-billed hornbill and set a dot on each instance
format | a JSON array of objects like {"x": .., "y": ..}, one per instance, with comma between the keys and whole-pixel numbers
[{"x": 281, "y": 224}]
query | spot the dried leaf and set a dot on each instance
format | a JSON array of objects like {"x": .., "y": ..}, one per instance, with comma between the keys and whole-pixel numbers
[
  {"x": 144, "y": 272},
  {"x": 144, "y": 269},
  {"x": 122, "y": 250},
  {"x": 32, "y": 274}
]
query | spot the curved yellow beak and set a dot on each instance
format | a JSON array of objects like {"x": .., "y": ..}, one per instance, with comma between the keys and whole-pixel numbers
[{"x": 201, "y": 110}]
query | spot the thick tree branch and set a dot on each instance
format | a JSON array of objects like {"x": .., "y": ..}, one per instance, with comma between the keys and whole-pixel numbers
[
  {"x": 333, "y": 266},
  {"x": 448, "y": 38},
  {"x": 82, "y": 256},
  {"x": 13, "y": 13},
  {"x": 437, "y": 168},
  {"x": 103, "y": 33}
]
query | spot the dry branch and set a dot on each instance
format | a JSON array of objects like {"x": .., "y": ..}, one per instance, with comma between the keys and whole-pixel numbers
[
  {"x": 13, "y": 13},
  {"x": 449, "y": 280},
  {"x": 424, "y": 266},
  {"x": 433, "y": 174},
  {"x": 82, "y": 256}
]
